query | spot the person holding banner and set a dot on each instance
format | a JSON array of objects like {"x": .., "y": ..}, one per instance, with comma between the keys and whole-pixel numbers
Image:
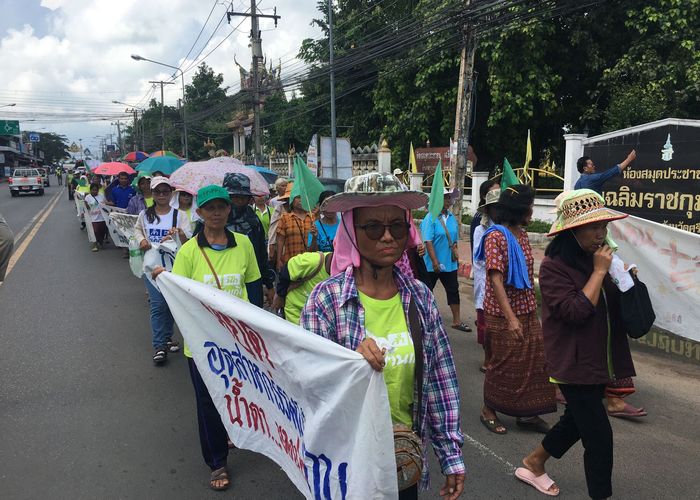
[
  {"x": 393, "y": 321},
  {"x": 154, "y": 225},
  {"x": 144, "y": 199},
  {"x": 99, "y": 226},
  {"x": 226, "y": 260},
  {"x": 585, "y": 340}
]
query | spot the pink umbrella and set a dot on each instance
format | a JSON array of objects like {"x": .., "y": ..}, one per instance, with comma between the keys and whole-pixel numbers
[
  {"x": 197, "y": 174},
  {"x": 113, "y": 168}
]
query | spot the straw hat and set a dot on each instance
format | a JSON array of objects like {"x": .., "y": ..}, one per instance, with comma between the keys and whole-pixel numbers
[
  {"x": 374, "y": 190},
  {"x": 580, "y": 207}
]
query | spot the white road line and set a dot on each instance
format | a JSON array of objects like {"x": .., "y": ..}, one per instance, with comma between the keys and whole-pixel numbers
[
  {"x": 488, "y": 452},
  {"x": 28, "y": 226}
]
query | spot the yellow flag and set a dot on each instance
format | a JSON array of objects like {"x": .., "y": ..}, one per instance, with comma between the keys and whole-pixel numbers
[
  {"x": 528, "y": 157},
  {"x": 412, "y": 161}
]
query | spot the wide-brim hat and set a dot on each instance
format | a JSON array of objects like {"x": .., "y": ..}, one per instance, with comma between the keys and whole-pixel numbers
[
  {"x": 237, "y": 184},
  {"x": 374, "y": 190},
  {"x": 581, "y": 207},
  {"x": 491, "y": 197}
]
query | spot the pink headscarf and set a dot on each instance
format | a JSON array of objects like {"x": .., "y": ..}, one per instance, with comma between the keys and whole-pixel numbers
[{"x": 345, "y": 253}]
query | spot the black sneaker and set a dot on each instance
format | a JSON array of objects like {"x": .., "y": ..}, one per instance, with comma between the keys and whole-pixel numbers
[
  {"x": 173, "y": 346},
  {"x": 160, "y": 355}
]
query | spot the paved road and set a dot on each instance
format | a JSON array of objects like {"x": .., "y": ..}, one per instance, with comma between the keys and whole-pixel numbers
[{"x": 84, "y": 414}]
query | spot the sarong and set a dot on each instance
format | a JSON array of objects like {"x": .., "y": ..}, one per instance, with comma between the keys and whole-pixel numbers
[
  {"x": 620, "y": 388},
  {"x": 516, "y": 383}
]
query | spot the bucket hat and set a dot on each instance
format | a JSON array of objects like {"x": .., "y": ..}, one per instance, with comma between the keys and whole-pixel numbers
[
  {"x": 237, "y": 184},
  {"x": 491, "y": 197},
  {"x": 580, "y": 207},
  {"x": 374, "y": 190}
]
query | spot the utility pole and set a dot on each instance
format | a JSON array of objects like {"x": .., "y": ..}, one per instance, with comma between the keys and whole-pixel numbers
[
  {"x": 119, "y": 137},
  {"x": 464, "y": 107},
  {"x": 334, "y": 145},
  {"x": 162, "y": 113},
  {"x": 256, "y": 48}
]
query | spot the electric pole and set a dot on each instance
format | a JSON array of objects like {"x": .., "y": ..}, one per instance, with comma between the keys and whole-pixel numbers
[
  {"x": 464, "y": 108},
  {"x": 119, "y": 136},
  {"x": 334, "y": 145},
  {"x": 162, "y": 113},
  {"x": 256, "y": 48}
]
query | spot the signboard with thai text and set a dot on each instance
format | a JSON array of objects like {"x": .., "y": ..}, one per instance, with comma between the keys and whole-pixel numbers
[
  {"x": 427, "y": 159},
  {"x": 663, "y": 183}
]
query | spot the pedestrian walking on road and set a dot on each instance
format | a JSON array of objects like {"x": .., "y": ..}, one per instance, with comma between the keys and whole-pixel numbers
[
  {"x": 325, "y": 227},
  {"x": 515, "y": 382},
  {"x": 7, "y": 243},
  {"x": 440, "y": 237},
  {"x": 370, "y": 307},
  {"x": 293, "y": 231},
  {"x": 99, "y": 226},
  {"x": 154, "y": 225},
  {"x": 226, "y": 260},
  {"x": 121, "y": 194},
  {"x": 144, "y": 197},
  {"x": 489, "y": 201},
  {"x": 585, "y": 340}
]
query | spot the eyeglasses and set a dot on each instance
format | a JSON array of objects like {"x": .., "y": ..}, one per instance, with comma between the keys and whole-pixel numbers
[
  {"x": 159, "y": 192},
  {"x": 375, "y": 230}
]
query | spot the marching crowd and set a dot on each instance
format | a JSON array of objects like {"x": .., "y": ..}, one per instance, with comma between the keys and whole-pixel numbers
[{"x": 358, "y": 271}]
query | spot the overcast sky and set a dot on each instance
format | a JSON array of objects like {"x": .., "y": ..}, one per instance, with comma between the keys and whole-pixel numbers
[{"x": 73, "y": 56}]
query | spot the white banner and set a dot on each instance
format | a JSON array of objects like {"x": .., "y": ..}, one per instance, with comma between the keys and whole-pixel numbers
[
  {"x": 118, "y": 238},
  {"x": 312, "y": 155},
  {"x": 124, "y": 224},
  {"x": 315, "y": 408},
  {"x": 669, "y": 265},
  {"x": 160, "y": 255},
  {"x": 84, "y": 215}
]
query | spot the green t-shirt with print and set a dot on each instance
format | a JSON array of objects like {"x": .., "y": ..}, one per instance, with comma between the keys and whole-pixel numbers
[
  {"x": 234, "y": 266},
  {"x": 385, "y": 322},
  {"x": 299, "y": 267}
]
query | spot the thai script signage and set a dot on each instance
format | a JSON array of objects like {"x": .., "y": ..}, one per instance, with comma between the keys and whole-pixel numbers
[{"x": 663, "y": 183}]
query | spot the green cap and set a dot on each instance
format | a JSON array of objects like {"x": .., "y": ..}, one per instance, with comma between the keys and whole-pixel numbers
[{"x": 212, "y": 192}]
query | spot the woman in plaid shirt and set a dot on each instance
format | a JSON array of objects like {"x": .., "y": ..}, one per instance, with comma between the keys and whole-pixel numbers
[{"x": 367, "y": 306}]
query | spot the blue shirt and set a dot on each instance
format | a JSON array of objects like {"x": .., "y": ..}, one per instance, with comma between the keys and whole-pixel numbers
[
  {"x": 596, "y": 181},
  {"x": 121, "y": 196},
  {"x": 325, "y": 235},
  {"x": 432, "y": 231}
]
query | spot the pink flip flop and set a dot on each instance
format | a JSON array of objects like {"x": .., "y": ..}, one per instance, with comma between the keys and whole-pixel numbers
[
  {"x": 540, "y": 483},
  {"x": 629, "y": 411}
]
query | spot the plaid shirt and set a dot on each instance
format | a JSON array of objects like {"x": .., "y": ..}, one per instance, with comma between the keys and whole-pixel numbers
[
  {"x": 296, "y": 234},
  {"x": 334, "y": 311}
]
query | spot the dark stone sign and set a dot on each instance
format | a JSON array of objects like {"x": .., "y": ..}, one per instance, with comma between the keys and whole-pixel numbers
[{"x": 663, "y": 183}]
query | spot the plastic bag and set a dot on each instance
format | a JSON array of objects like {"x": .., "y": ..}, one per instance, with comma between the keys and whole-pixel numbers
[{"x": 135, "y": 257}]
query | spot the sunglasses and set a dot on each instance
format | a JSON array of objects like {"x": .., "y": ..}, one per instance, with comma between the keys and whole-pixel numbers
[
  {"x": 375, "y": 230},
  {"x": 159, "y": 192}
]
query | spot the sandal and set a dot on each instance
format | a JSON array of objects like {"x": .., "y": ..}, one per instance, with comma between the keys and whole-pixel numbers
[
  {"x": 220, "y": 474},
  {"x": 629, "y": 411},
  {"x": 493, "y": 425},
  {"x": 462, "y": 327},
  {"x": 159, "y": 356},
  {"x": 535, "y": 425},
  {"x": 173, "y": 346},
  {"x": 541, "y": 483}
]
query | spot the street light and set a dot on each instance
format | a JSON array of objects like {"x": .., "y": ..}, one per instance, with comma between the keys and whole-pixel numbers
[{"x": 137, "y": 57}]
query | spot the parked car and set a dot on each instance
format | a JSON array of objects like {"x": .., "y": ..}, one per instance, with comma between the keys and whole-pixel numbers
[
  {"x": 44, "y": 176},
  {"x": 26, "y": 180}
]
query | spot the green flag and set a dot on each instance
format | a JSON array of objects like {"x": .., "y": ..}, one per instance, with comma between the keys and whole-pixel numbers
[
  {"x": 437, "y": 193},
  {"x": 508, "y": 178},
  {"x": 306, "y": 185}
]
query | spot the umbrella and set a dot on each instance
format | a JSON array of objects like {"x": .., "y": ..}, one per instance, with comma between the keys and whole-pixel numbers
[
  {"x": 196, "y": 174},
  {"x": 113, "y": 168},
  {"x": 164, "y": 153},
  {"x": 165, "y": 164},
  {"x": 135, "y": 156},
  {"x": 269, "y": 175}
]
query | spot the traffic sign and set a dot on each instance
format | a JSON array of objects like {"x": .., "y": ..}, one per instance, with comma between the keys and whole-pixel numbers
[
  {"x": 9, "y": 127},
  {"x": 34, "y": 137}
]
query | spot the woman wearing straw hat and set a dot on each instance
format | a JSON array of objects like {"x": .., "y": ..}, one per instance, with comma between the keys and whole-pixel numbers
[
  {"x": 372, "y": 308},
  {"x": 585, "y": 341}
]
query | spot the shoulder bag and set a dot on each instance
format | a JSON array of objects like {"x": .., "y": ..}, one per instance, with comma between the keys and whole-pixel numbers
[
  {"x": 408, "y": 448},
  {"x": 637, "y": 310}
]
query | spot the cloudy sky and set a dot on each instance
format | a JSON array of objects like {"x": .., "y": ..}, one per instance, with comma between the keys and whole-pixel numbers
[{"x": 64, "y": 61}]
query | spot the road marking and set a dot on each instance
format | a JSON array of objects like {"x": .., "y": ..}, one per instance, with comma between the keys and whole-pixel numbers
[
  {"x": 20, "y": 250},
  {"x": 28, "y": 226},
  {"x": 488, "y": 452}
]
